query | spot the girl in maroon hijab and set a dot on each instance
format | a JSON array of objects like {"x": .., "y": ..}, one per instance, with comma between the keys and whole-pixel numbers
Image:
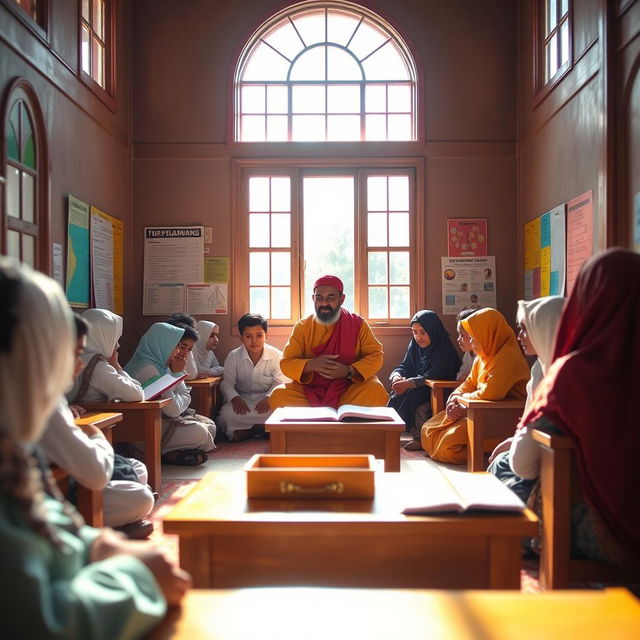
[{"x": 589, "y": 395}]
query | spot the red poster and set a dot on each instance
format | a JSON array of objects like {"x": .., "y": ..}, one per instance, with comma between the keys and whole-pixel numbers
[
  {"x": 467, "y": 237},
  {"x": 579, "y": 235}
]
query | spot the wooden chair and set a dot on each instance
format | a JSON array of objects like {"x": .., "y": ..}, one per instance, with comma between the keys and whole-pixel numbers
[
  {"x": 488, "y": 422},
  {"x": 438, "y": 389},
  {"x": 204, "y": 394},
  {"x": 142, "y": 422},
  {"x": 90, "y": 502},
  {"x": 559, "y": 483}
]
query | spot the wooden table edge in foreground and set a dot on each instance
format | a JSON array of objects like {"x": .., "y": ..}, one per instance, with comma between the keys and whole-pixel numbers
[
  {"x": 377, "y": 614},
  {"x": 149, "y": 432},
  {"x": 384, "y": 436}
]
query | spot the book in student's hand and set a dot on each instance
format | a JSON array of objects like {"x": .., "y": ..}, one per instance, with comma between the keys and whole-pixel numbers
[
  {"x": 445, "y": 491},
  {"x": 156, "y": 386},
  {"x": 344, "y": 413}
]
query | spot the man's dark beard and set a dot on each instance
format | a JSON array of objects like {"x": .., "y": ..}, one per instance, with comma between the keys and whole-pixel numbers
[{"x": 327, "y": 315}]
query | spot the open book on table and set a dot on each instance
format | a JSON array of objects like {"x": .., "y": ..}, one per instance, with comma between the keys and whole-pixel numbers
[
  {"x": 443, "y": 490},
  {"x": 345, "y": 413},
  {"x": 153, "y": 387}
]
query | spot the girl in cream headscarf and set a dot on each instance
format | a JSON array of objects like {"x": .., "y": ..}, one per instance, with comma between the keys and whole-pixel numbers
[
  {"x": 102, "y": 377},
  {"x": 59, "y": 577},
  {"x": 205, "y": 359},
  {"x": 537, "y": 326},
  {"x": 499, "y": 371}
]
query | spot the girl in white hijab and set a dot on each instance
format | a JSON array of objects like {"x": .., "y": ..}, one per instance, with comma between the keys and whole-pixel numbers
[
  {"x": 59, "y": 577},
  {"x": 103, "y": 379},
  {"x": 206, "y": 360},
  {"x": 537, "y": 326}
]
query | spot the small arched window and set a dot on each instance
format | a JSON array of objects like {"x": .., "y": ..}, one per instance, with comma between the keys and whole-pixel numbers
[
  {"x": 25, "y": 224},
  {"x": 325, "y": 72}
]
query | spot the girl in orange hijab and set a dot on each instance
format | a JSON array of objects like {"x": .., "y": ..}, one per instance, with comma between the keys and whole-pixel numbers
[{"x": 499, "y": 371}]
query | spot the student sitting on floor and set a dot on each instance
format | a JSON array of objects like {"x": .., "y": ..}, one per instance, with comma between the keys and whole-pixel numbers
[
  {"x": 59, "y": 577},
  {"x": 537, "y": 324},
  {"x": 499, "y": 371},
  {"x": 186, "y": 320},
  {"x": 206, "y": 361},
  {"x": 186, "y": 436},
  {"x": 251, "y": 373},
  {"x": 588, "y": 395},
  {"x": 430, "y": 355},
  {"x": 464, "y": 342}
]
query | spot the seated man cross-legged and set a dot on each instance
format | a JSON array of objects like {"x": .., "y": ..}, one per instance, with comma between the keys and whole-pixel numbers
[{"x": 332, "y": 356}]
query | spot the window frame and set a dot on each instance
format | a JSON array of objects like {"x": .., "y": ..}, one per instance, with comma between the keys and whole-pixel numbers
[
  {"x": 38, "y": 26},
  {"x": 296, "y": 169},
  {"x": 414, "y": 77},
  {"x": 21, "y": 90},
  {"x": 107, "y": 93},
  {"x": 540, "y": 39}
]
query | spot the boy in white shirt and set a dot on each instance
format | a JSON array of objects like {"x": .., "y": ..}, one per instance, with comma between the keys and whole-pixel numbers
[{"x": 251, "y": 373}]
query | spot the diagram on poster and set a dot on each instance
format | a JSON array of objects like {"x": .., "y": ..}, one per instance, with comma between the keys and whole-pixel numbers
[
  {"x": 467, "y": 237},
  {"x": 468, "y": 283}
]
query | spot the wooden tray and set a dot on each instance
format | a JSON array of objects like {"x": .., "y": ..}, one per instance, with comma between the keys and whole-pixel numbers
[{"x": 310, "y": 476}]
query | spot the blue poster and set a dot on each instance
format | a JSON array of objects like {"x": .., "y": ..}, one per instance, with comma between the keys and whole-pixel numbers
[{"x": 78, "y": 292}]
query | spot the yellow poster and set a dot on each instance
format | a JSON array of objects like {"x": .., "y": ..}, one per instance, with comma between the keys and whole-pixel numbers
[
  {"x": 107, "y": 261},
  {"x": 532, "y": 244},
  {"x": 545, "y": 271},
  {"x": 216, "y": 269}
]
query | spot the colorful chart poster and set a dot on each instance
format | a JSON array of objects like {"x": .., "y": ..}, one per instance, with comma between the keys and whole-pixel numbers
[
  {"x": 544, "y": 255},
  {"x": 468, "y": 283},
  {"x": 579, "y": 235},
  {"x": 173, "y": 259},
  {"x": 467, "y": 237},
  {"x": 78, "y": 266},
  {"x": 102, "y": 260},
  {"x": 207, "y": 299}
]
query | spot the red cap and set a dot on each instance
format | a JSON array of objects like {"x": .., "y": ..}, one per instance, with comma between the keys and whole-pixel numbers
[{"x": 329, "y": 281}]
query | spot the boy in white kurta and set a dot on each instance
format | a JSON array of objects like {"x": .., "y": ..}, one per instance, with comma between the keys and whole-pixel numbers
[{"x": 251, "y": 373}]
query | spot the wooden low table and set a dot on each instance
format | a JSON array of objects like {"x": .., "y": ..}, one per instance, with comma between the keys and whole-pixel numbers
[
  {"x": 438, "y": 387},
  {"x": 379, "y": 438},
  {"x": 380, "y": 614},
  {"x": 203, "y": 394},
  {"x": 488, "y": 420},
  {"x": 142, "y": 422},
  {"x": 229, "y": 541},
  {"x": 103, "y": 421}
]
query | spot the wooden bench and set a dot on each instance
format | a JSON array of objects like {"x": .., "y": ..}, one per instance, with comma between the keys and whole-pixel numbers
[
  {"x": 142, "y": 422},
  {"x": 90, "y": 502},
  {"x": 488, "y": 420},
  {"x": 438, "y": 388},
  {"x": 204, "y": 394},
  {"x": 559, "y": 483}
]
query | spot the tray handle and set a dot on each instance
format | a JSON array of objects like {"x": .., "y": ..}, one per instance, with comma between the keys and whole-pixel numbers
[{"x": 332, "y": 487}]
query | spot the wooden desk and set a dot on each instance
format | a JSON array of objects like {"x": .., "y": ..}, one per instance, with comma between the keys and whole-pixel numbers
[
  {"x": 90, "y": 502},
  {"x": 559, "y": 483},
  {"x": 379, "y": 438},
  {"x": 229, "y": 541},
  {"x": 203, "y": 394},
  {"x": 438, "y": 387},
  {"x": 104, "y": 421},
  {"x": 380, "y": 614},
  {"x": 142, "y": 422},
  {"x": 488, "y": 420}
]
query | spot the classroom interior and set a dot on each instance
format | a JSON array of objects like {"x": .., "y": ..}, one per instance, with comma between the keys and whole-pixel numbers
[{"x": 153, "y": 141}]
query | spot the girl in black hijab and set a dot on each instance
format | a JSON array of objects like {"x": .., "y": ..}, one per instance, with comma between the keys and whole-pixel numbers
[{"x": 430, "y": 356}]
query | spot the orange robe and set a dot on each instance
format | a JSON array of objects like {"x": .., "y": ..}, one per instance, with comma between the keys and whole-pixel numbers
[
  {"x": 499, "y": 371},
  {"x": 365, "y": 388}
]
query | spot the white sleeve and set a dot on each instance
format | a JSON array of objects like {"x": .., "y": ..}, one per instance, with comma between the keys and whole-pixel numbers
[
  {"x": 211, "y": 366},
  {"x": 524, "y": 454},
  {"x": 181, "y": 397},
  {"x": 191, "y": 368},
  {"x": 88, "y": 459},
  {"x": 278, "y": 377},
  {"x": 116, "y": 384},
  {"x": 228, "y": 383}
]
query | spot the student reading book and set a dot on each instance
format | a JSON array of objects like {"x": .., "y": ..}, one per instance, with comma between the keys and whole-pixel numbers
[
  {"x": 343, "y": 413},
  {"x": 156, "y": 386}
]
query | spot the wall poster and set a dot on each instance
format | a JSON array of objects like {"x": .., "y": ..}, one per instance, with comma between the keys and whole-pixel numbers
[
  {"x": 468, "y": 283},
  {"x": 467, "y": 237}
]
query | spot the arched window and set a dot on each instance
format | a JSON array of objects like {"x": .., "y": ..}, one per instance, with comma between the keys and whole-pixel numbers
[
  {"x": 25, "y": 225},
  {"x": 325, "y": 71}
]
